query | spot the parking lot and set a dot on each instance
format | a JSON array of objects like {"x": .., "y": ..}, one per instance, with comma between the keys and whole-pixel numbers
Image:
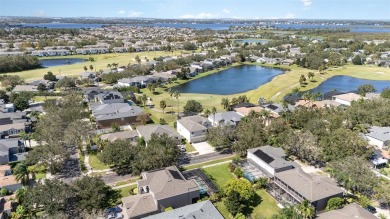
[{"x": 204, "y": 182}]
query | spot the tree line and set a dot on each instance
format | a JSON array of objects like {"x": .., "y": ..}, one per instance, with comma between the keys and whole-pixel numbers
[{"x": 18, "y": 63}]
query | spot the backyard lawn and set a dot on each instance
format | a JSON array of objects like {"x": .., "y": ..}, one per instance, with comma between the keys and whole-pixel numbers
[
  {"x": 125, "y": 190},
  {"x": 96, "y": 164},
  {"x": 40, "y": 171},
  {"x": 220, "y": 174},
  {"x": 199, "y": 165}
]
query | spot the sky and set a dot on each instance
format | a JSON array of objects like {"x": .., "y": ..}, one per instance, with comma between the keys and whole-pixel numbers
[{"x": 201, "y": 9}]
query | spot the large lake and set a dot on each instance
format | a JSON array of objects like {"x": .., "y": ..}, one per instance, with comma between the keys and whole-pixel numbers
[
  {"x": 231, "y": 81},
  {"x": 346, "y": 83},
  {"x": 56, "y": 62}
]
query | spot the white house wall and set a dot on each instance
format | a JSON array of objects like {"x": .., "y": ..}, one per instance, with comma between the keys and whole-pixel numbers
[{"x": 261, "y": 163}]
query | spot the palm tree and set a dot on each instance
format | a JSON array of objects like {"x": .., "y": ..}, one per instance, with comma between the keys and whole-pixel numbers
[
  {"x": 108, "y": 65},
  {"x": 177, "y": 95},
  {"x": 213, "y": 111},
  {"x": 171, "y": 92},
  {"x": 207, "y": 113},
  {"x": 266, "y": 116},
  {"x": 144, "y": 99},
  {"x": 163, "y": 105},
  {"x": 306, "y": 209},
  {"x": 225, "y": 103},
  {"x": 310, "y": 75},
  {"x": 91, "y": 67},
  {"x": 85, "y": 68},
  {"x": 22, "y": 174}
]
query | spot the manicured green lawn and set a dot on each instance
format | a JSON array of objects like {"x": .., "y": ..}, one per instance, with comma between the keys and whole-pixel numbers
[
  {"x": 220, "y": 174},
  {"x": 101, "y": 61},
  {"x": 199, "y": 165},
  {"x": 43, "y": 98},
  {"x": 189, "y": 147},
  {"x": 40, "y": 171},
  {"x": 96, "y": 164},
  {"x": 265, "y": 209},
  {"x": 125, "y": 190}
]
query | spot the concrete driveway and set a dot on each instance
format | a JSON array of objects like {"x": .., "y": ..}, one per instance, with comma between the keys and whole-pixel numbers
[{"x": 203, "y": 148}]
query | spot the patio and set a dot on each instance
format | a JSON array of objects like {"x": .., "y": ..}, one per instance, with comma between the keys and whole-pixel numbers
[{"x": 204, "y": 182}]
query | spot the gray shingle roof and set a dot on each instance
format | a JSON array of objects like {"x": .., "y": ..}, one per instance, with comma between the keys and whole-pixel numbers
[
  {"x": 200, "y": 210},
  {"x": 380, "y": 133},
  {"x": 353, "y": 210},
  {"x": 312, "y": 187},
  {"x": 146, "y": 131},
  {"x": 115, "y": 111},
  {"x": 167, "y": 182},
  {"x": 139, "y": 205},
  {"x": 119, "y": 135},
  {"x": 194, "y": 123},
  {"x": 277, "y": 154},
  {"x": 229, "y": 118}
]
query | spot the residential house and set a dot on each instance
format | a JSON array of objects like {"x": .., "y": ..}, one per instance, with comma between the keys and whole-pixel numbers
[
  {"x": 193, "y": 128},
  {"x": 91, "y": 93},
  {"x": 245, "y": 111},
  {"x": 7, "y": 108},
  {"x": 377, "y": 160},
  {"x": 230, "y": 118},
  {"x": 287, "y": 62},
  {"x": 12, "y": 150},
  {"x": 146, "y": 132},
  {"x": 294, "y": 186},
  {"x": 120, "y": 113},
  {"x": 12, "y": 129},
  {"x": 29, "y": 88},
  {"x": 379, "y": 136},
  {"x": 346, "y": 99},
  {"x": 88, "y": 75},
  {"x": 7, "y": 180},
  {"x": 139, "y": 81},
  {"x": 352, "y": 210},
  {"x": 269, "y": 159},
  {"x": 160, "y": 189},
  {"x": 130, "y": 135},
  {"x": 201, "y": 210},
  {"x": 7, "y": 204},
  {"x": 278, "y": 108},
  {"x": 109, "y": 97}
]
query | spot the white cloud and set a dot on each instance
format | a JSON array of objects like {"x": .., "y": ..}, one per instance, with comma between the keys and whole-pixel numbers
[
  {"x": 306, "y": 3},
  {"x": 202, "y": 15},
  {"x": 122, "y": 12},
  {"x": 226, "y": 11},
  {"x": 135, "y": 13},
  {"x": 39, "y": 13}
]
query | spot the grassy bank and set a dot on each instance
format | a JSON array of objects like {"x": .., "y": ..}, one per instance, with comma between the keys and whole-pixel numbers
[{"x": 101, "y": 61}]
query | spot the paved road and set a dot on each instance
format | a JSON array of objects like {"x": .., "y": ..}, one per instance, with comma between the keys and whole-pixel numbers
[
  {"x": 207, "y": 157},
  {"x": 71, "y": 169},
  {"x": 113, "y": 178}
]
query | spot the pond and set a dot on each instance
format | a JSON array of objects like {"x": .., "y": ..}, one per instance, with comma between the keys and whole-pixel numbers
[
  {"x": 234, "y": 80},
  {"x": 56, "y": 62},
  {"x": 346, "y": 84}
]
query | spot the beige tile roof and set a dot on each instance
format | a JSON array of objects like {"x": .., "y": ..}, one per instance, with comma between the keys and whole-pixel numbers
[
  {"x": 12, "y": 126},
  {"x": 246, "y": 110},
  {"x": 349, "y": 97},
  {"x": 119, "y": 135},
  {"x": 8, "y": 180}
]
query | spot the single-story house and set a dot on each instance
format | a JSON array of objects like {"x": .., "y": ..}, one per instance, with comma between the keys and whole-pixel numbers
[
  {"x": 346, "y": 99},
  {"x": 7, "y": 180},
  {"x": 158, "y": 190},
  {"x": 130, "y": 135},
  {"x": 201, "y": 210},
  {"x": 379, "y": 136},
  {"x": 193, "y": 128},
  {"x": 230, "y": 118},
  {"x": 146, "y": 131},
  {"x": 139, "y": 81},
  {"x": 109, "y": 97},
  {"x": 29, "y": 88},
  {"x": 11, "y": 149}
]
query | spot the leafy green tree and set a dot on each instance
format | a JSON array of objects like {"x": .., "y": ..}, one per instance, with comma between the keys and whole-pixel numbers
[
  {"x": 21, "y": 103},
  {"x": 382, "y": 192},
  {"x": 41, "y": 87},
  {"x": 193, "y": 106},
  {"x": 307, "y": 210},
  {"x": 220, "y": 136},
  {"x": 363, "y": 201},
  {"x": 334, "y": 203},
  {"x": 347, "y": 171},
  {"x": 233, "y": 202},
  {"x": 289, "y": 212},
  {"x": 250, "y": 133},
  {"x": 4, "y": 191},
  {"x": 310, "y": 75},
  {"x": 50, "y": 76},
  {"x": 120, "y": 153},
  {"x": 386, "y": 93},
  {"x": 241, "y": 186},
  {"x": 53, "y": 196},
  {"x": 357, "y": 60},
  {"x": 163, "y": 105},
  {"x": 66, "y": 82},
  {"x": 93, "y": 194},
  {"x": 225, "y": 103},
  {"x": 366, "y": 88}
]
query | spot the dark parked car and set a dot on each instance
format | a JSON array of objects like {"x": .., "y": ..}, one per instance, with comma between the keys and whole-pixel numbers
[{"x": 371, "y": 209}]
